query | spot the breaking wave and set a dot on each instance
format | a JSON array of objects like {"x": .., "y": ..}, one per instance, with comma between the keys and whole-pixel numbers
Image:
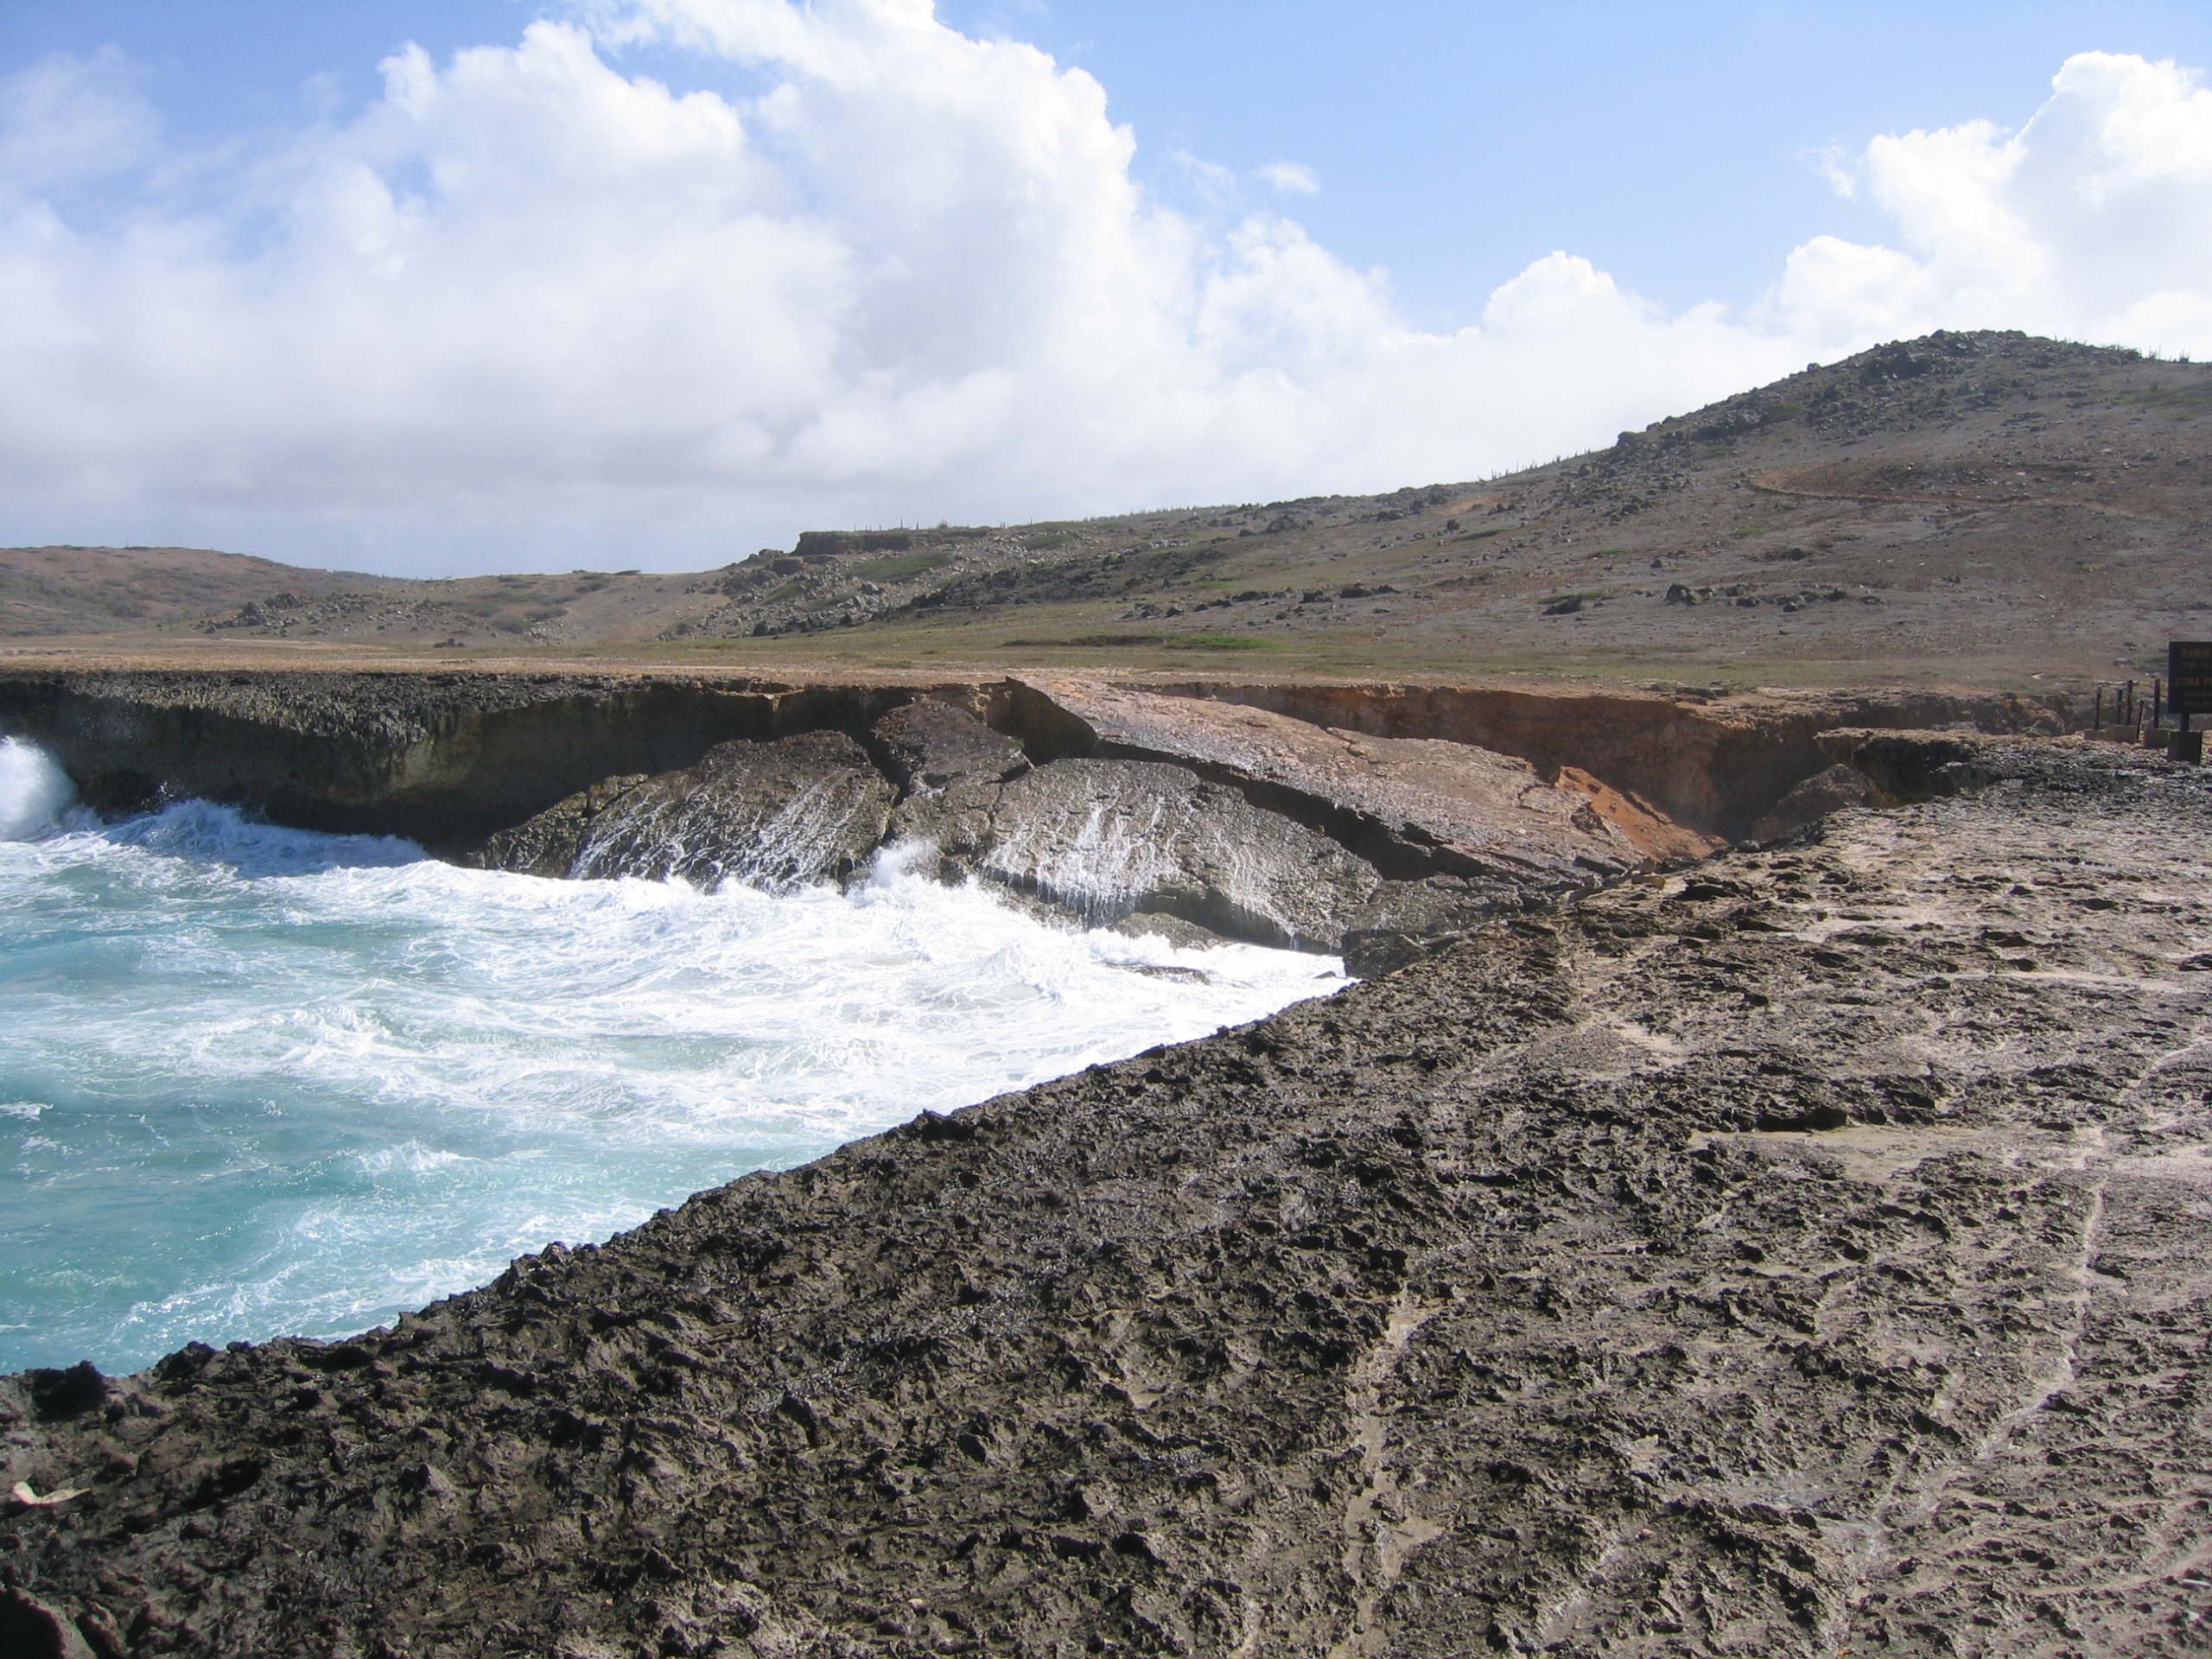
[{"x": 258, "y": 1080}]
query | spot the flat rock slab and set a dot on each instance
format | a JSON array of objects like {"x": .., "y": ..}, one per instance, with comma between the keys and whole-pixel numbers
[{"x": 1414, "y": 807}]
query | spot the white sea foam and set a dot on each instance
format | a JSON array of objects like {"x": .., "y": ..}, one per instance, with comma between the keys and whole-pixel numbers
[
  {"x": 284, "y": 1081},
  {"x": 34, "y": 792}
]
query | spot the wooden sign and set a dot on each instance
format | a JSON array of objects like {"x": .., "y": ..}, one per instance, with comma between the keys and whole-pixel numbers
[{"x": 2189, "y": 677}]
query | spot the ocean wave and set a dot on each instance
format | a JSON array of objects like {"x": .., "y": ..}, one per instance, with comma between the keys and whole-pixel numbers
[{"x": 291, "y": 1082}]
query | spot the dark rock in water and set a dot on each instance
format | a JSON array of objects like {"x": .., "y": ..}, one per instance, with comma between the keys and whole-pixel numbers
[
  {"x": 927, "y": 745},
  {"x": 804, "y": 809},
  {"x": 1108, "y": 839},
  {"x": 1824, "y": 793},
  {"x": 548, "y": 844},
  {"x": 66, "y": 1393},
  {"x": 1157, "y": 924}
]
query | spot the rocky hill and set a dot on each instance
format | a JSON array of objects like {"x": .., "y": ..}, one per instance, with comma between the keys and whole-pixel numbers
[{"x": 1983, "y": 507}]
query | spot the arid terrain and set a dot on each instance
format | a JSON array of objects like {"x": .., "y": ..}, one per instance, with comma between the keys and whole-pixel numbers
[
  {"x": 1757, "y": 1202},
  {"x": 1991, "y": 510}
]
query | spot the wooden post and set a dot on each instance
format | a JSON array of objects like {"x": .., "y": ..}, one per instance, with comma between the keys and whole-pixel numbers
[{"x": 2097, "y": 720}]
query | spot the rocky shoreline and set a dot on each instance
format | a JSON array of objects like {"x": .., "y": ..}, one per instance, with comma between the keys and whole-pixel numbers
[
  {"x": 1802, "y": 1253},
  {"x": 1375, "y": 822}
]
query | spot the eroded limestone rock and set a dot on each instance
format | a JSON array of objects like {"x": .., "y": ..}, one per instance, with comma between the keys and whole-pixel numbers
[
  {"x": 1806, "y": 1255},
  {"x": 1413, "y": 807},
  {"x": 1839, "y": 786},
  {"x": 927, "y": 745},
  {"x": 802, "y": 809},
  {"x": 1108, "y": 839},
  {"x": 548, "y": 843}
]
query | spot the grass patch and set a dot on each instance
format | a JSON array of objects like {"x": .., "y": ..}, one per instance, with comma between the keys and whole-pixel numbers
[
  {"x": 1221, "y": 642},
  {"x": 1088, "y": 642}
]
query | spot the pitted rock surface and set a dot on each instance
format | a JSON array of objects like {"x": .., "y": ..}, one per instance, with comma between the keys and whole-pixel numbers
[{"x": 1809, "y": 1253}]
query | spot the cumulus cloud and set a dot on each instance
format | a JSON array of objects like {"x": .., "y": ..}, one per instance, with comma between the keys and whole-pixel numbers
[
  {"x": 529, "y": 308},
  {"x": 1291, "y": 178},
  {"x": 2093, "y": 221}
]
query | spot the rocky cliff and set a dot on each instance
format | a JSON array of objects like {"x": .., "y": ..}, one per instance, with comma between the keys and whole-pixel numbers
[{"x": 1374, "y": 821}]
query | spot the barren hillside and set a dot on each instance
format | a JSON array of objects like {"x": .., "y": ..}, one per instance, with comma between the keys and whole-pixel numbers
[{"x": 1988, "y": 508}]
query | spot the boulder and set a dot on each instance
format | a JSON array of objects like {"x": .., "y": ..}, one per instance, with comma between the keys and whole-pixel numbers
[
  {"x": 1824, "y": 793},
  {"x": 1413, "y": 807},
  {"x": 927, "y": 746},
  {"x": 548, "y": 844},
  {"x": 1110, "y": 839},
  {"x": 803, "y": 810}
]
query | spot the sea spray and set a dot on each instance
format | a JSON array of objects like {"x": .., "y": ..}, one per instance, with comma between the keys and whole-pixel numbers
[
  {"x": 255, "y": 1080},
  {"x": 35, "y": 794}
]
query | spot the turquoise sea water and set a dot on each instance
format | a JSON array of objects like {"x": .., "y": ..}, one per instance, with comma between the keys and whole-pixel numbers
[{"x": 256, "y": 1081}]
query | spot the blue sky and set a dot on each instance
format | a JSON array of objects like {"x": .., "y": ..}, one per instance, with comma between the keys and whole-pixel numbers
[
  {"x": 1336, "y": 218},
  {"x": 1674, "y": 145}
]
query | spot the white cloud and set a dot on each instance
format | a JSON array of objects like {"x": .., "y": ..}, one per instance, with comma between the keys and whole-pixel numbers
[
  {"x": 528, "y": 309},
  {"x": 67, "y": 120},
  {"x": 2093, "y": 221},
  {"x": 1291, "y": 178}
]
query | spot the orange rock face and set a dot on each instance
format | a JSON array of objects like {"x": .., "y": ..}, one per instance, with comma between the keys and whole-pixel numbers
[{"x": 1427, "y": 804}]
